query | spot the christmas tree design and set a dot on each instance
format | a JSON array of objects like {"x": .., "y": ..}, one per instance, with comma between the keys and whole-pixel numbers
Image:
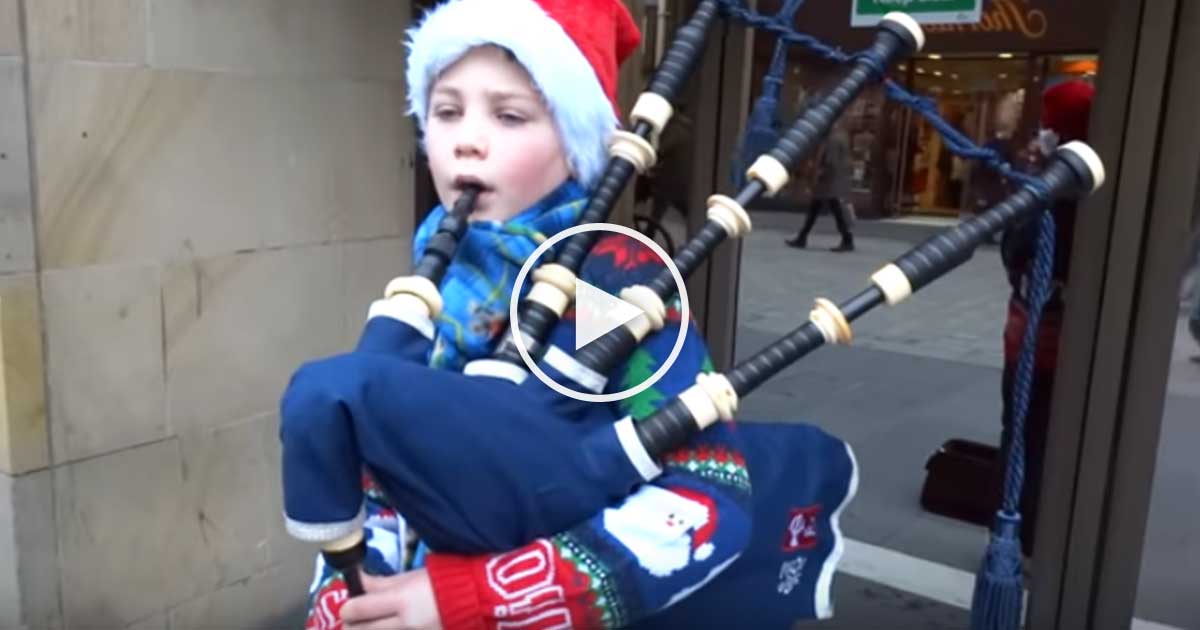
[{"x": 640, "y": 367}]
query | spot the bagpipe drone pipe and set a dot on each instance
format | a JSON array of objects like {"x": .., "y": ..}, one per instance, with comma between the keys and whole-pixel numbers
[
  {"x": 1074, "y": 171},
  {"x": 480, "y": 464}
]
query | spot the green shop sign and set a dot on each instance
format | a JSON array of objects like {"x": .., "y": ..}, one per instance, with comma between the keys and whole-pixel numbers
[{"x": 868, "y": 12}]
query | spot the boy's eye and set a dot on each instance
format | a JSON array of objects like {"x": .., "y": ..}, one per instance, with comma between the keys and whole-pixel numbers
[
  {"x": 511, "y": 118},
  {"x": 445, "y": 113}
]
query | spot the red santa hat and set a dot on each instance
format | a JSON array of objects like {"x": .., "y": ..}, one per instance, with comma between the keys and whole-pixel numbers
[
  {"x": 1067, "y": 108},
  {"x": 571, "y": 48}
]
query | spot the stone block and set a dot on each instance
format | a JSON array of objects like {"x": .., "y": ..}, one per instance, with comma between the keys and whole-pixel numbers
[
  {"x": 238, "y": 326},
  {"x": 16, "y": 222},
  {"x": 292, "y": 578},
  {"x": 104, "y": 359},
  {"x": 23, "y": 442},
  {"x": 370, "y": 265},
  {"x": 361, "y": 39},
  {"x": 256, "y": 602},
  {"x": 122, "y": 519},
  {"x": 10, "y": 586},
  {"x": 113, "y": 30},
  {"x": 229, "y": 489},
  {"x": 154, "y": 622},
  {"x": 28, "y": 553},
  {"x": 10, "y": 29},
  {"x": 172, "y": 165}
]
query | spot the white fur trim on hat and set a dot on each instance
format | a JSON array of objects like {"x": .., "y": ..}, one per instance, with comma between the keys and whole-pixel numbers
[{"x": 583, "y": 114}]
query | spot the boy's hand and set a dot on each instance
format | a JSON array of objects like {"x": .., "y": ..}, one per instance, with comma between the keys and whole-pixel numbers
[{"x": 399, "y": 602}]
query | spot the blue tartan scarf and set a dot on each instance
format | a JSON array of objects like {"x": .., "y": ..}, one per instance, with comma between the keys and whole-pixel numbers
[{"x": 480, "y": 278}]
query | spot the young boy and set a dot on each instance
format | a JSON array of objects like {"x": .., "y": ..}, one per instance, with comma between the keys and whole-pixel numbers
[
  {"x": 530, "y": 128},
  {"x": 518, "y": 97}
]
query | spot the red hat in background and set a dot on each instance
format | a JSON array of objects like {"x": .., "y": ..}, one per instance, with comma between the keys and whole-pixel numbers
[{"x": 1067, "y": 109}]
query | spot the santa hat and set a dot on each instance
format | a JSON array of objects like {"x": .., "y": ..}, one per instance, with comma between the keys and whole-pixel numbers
[
  {"x": 702, "y": 546},
  {"x": 571, "y": 48},
  {"x": 1067, "y": 108}
]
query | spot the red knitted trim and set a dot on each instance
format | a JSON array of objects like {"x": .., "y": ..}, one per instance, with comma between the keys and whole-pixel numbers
[{"x": 454, "y": 588}]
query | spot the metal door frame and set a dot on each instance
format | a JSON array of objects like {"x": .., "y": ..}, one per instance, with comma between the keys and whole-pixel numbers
[{"x": 1119, "y": 325}]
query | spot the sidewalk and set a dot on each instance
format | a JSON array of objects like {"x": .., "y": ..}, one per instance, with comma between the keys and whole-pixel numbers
[{"x": 917, "y": 374}]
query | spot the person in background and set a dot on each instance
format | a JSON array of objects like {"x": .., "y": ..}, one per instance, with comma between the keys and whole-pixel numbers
[
  {"x": 1066, "y": 109},
  {"x": 989, "y": 187},
  {"x": 830, "y": 188}
]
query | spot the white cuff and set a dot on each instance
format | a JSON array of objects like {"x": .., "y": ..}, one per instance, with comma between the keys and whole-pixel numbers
[
  {"x": 633, "y": 448},
  {"x": 402, "y": 309},
  {"x": 496, "y": 369},
  {"x": 324, "y": 532}
]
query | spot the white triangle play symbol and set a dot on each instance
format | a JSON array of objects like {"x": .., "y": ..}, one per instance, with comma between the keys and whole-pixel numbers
[{"x": 597, "y": 312}]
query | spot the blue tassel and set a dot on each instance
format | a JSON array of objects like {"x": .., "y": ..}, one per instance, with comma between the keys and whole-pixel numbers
[
  {"x": 998, "y": 599},
  {"x": 999, "y": 589}
]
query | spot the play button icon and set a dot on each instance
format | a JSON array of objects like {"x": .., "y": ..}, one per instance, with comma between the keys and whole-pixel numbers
[{"x": 597, "y": 312}]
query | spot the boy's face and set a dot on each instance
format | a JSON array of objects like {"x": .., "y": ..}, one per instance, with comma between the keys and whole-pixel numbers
[{"x": 488, "y": 124}]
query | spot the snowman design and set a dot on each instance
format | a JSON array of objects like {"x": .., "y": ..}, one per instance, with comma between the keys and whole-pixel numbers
[{"x": 665, "y": 529}]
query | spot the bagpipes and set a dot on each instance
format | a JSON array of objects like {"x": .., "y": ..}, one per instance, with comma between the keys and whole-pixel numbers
[
  {"x": 349, "y": 411},
  {"x": 361, "y": 409}
]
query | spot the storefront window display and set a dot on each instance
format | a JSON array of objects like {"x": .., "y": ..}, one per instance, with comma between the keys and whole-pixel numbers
[
  {"x": 986, "y": 97},
  {"x": 985, "y": 79},
  {"x": 983, "y": 97}
]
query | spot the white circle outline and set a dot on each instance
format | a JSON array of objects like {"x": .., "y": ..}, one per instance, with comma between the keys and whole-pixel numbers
[{"x": 519, "y": 341}]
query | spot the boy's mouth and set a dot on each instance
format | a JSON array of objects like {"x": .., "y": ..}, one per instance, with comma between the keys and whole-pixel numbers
[{"x": 462, "y": 182}]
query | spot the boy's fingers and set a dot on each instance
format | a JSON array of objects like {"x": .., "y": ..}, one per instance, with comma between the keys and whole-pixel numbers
[
  {"x": 377, "y": 602},
  {"x": 366, "y": 609},
  {"x": 380, "y": 582},
  {"x": 390, "y": 623}
]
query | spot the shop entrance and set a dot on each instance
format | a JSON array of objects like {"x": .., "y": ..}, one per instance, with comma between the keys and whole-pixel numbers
[{"x": 986, "y": 97}]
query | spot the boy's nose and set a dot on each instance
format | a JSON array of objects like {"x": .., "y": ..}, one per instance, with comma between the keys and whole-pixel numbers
[{"x": 471, "y": 142}]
